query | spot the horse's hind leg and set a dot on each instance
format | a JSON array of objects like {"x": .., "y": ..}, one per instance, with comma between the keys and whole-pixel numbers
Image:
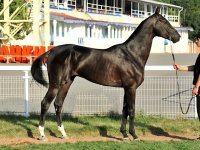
[
  {"x": 58, "y": 105},
  {"x": 50, "y": 95}
]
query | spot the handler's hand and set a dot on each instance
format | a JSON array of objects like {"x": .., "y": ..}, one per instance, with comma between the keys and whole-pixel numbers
[
  {"x": 195, "y": 91},
  {"x": 176, "y": 67}
]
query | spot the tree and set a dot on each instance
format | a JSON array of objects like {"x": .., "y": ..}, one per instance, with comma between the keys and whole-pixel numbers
[
  {"x": 1, "y": 7},
  {"x": 21, "y": 15}
]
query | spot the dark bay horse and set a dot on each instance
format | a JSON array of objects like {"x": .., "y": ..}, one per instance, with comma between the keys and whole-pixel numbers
[{"x": 121, "y": 65}]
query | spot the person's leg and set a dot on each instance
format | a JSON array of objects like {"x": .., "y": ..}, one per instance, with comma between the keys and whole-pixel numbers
[
  {"x": 198, "y": 104},
  {"x": 198, "y": 107}
]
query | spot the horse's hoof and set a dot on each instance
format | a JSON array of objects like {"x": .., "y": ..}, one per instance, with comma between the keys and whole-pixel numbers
[
  {"x": 125, "y": 135},
  {"x": 43, "y": 138},
  {"x": 134, "y": 135},
  {"x": 65, "y": 137},
  {"x": 136, "y": 139},
  {"x": 125, "y": 138}
]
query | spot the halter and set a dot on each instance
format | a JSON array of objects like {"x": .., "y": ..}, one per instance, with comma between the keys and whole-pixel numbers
[{"x": 177, "y": 84}]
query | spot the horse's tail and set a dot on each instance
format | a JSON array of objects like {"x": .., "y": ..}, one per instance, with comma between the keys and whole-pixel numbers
[{"x": 36, "y": 70}]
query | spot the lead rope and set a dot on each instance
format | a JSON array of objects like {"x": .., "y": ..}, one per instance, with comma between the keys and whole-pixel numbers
[{"x": 177, "y": 83}]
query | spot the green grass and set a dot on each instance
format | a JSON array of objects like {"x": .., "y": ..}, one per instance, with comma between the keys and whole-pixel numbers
[
  {"x": 136, "y": 145},
  {"x": 11, "y": 126},
  {"x": 96, "y": 126}
]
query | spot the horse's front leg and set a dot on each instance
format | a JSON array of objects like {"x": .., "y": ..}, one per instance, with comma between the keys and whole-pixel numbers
[
  {"x": 124, "y": 117},
  {"x": 131, "y": 110},
  {"x": 58, "y": 106}
]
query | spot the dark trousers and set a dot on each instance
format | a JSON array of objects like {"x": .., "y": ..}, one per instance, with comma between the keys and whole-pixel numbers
[{"x": 198, "y": 104}]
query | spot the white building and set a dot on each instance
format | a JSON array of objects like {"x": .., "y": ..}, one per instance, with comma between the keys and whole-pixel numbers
[{"x": 100, "y": 24}]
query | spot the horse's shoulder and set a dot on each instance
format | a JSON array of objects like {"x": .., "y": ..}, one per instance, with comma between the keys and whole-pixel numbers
[{"x": 121, "y": 51}]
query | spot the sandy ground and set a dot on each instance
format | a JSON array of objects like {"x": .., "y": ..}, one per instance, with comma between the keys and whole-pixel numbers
[{"x": 54, "y": 140}]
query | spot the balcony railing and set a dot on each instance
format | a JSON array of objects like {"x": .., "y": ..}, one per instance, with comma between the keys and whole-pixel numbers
[
  {"x": 65, "y": 4},
  {"x": 173, "y": 18},
  {"x": 103, "y": 9},
  {"x": 145, "y": 14}
]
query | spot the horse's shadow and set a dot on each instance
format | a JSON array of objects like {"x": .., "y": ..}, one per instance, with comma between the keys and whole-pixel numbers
[
  {"x": 103, "y": 131},
  {"x": 157, "y": 131},
  {"x": 21, "y": 121}
]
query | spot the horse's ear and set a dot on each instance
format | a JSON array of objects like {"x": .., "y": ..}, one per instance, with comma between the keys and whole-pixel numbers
[{"x": 157, "y": 10}]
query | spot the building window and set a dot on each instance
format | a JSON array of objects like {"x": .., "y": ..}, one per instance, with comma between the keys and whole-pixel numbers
[{"x": 128, "y": 8}]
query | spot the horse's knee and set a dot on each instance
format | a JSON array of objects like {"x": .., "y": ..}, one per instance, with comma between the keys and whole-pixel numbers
[
  {"x": 45, "y": 105},
  {"x": 125, "y": 113},
  {"x": 131, "y": 114}
]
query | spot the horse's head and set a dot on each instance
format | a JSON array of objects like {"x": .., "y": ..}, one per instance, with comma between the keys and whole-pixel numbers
[{"x": 164, "y": 29}]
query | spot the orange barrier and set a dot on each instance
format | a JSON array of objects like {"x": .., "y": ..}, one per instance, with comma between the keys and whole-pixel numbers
[{"x": 21, "y": 54}]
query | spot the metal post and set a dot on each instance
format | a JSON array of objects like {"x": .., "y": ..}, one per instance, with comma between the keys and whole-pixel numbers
[
  {"x": 85, "y": 6},
  {"x": 106, "y": 6},
  {"x": 131, "y": 8},
  {"x": 36, "y": 22},
  {"x": 26, "y": 93},
  {"x": 138, "y": 9},
  {"x": 54, "y": 32},
  {"x": 6, "y": 16},
  {"x": 47, "y": 22}
]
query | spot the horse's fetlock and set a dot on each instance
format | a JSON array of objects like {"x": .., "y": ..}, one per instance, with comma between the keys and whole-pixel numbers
[{"x": 122, "y": 130}]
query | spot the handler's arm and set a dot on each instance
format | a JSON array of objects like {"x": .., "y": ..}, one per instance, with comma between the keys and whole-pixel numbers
[{"x": 183, "y": 68}]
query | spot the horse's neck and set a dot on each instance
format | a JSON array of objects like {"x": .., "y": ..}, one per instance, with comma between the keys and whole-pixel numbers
[{"x": 139, "y": 43}]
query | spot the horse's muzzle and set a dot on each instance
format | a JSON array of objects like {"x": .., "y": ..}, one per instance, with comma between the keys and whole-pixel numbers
[{"x": 176, "y": 38}]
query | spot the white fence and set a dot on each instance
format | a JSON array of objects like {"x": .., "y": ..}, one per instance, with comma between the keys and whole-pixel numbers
[{"x": 156, "y": 96}]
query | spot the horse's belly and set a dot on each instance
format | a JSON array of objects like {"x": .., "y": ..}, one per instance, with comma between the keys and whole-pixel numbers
[
  {"x": 107, "y": 81},
  {"x": 102, "y": 78}
]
